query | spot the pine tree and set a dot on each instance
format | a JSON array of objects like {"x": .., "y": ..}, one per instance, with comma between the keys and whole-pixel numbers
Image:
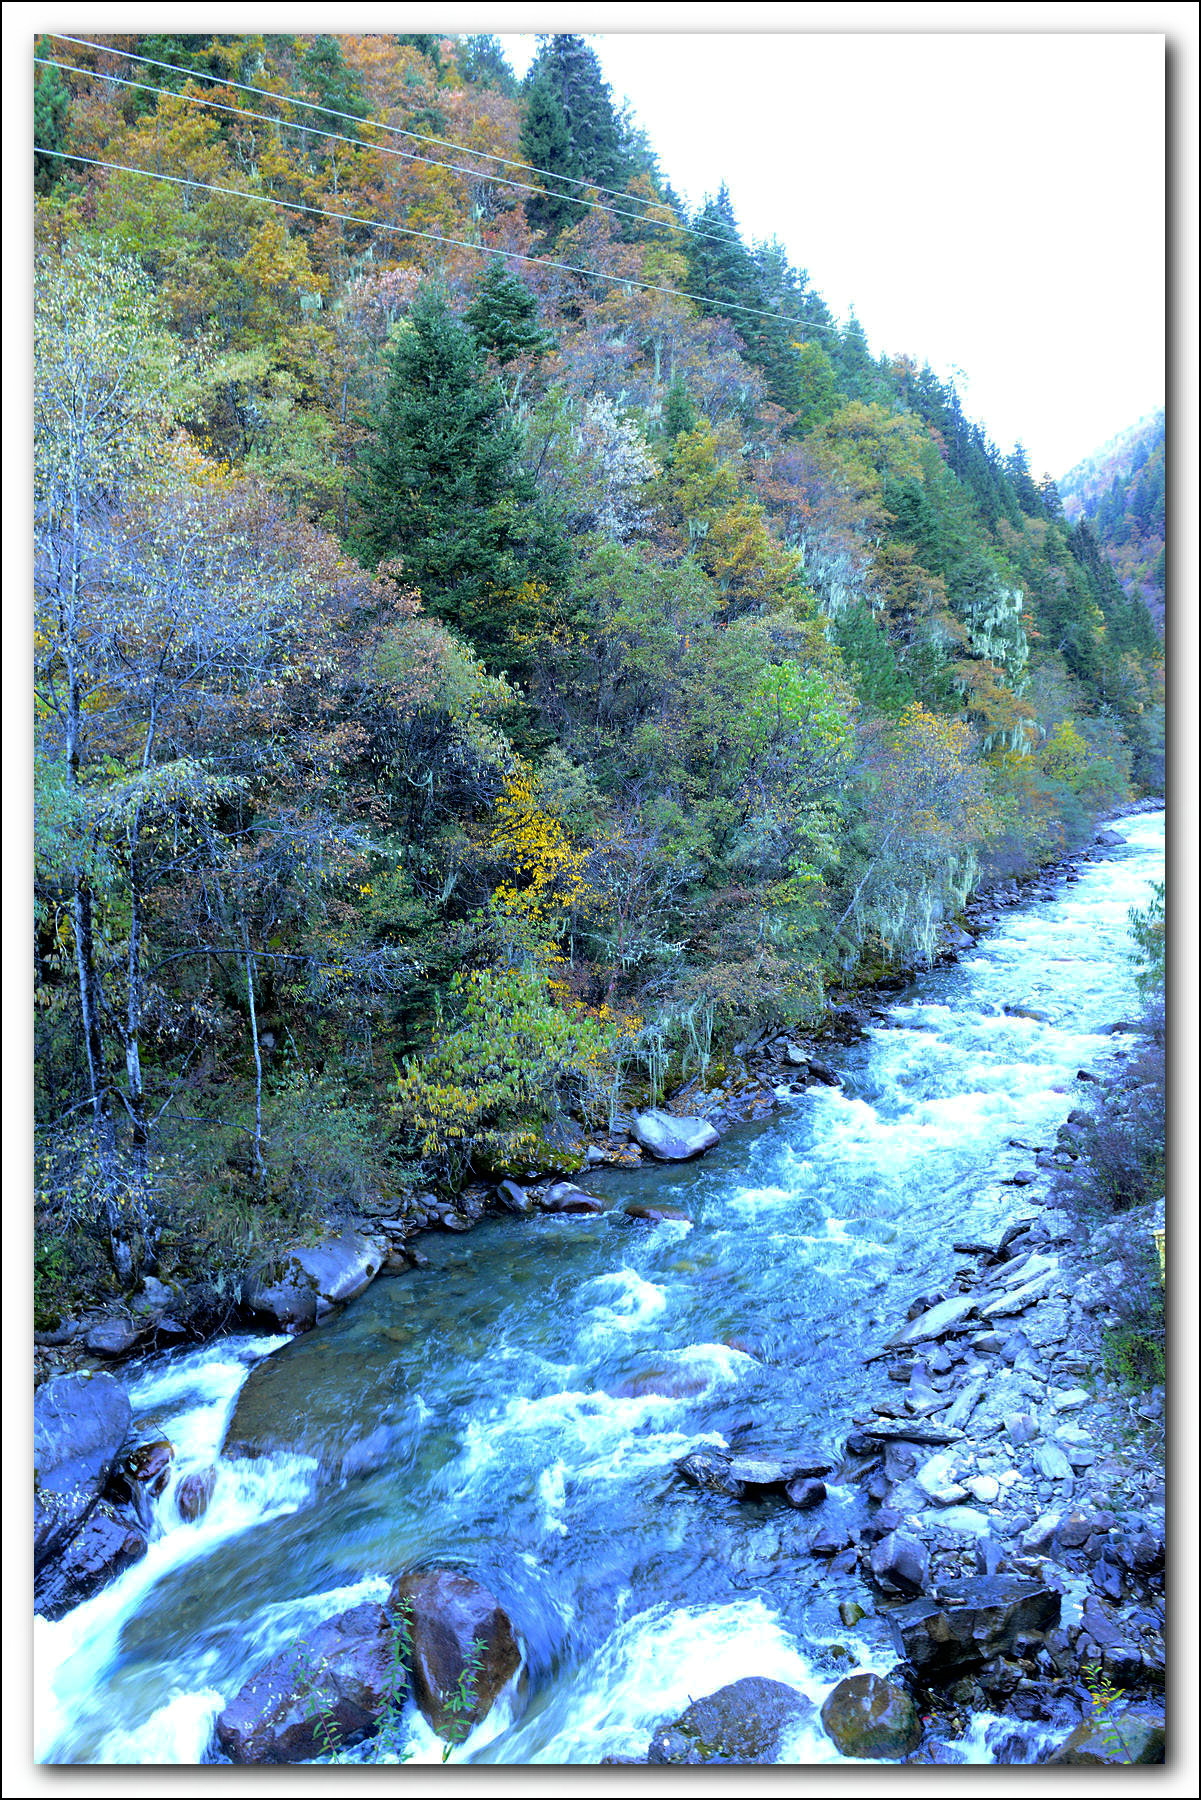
[
  {"x": 546, "y": 145},
  {"x": 503, "y": 316},
  {"x": 442, "y": 486},
  {"x": 51, "y": 112}
]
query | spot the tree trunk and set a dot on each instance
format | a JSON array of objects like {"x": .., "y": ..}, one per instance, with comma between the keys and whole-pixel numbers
[{"x": 258, "y": 1063}]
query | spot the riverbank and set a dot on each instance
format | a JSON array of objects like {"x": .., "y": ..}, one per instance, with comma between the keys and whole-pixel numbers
[{"x": 757, "y": 1078}]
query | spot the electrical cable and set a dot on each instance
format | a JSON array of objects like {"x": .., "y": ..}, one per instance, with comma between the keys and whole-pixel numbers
[{"x": 542, "y": 262}]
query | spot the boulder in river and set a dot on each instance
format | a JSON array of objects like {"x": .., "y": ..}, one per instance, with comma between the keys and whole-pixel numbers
[
  {"x": 513, "y": 1198},
  {"x": 141, "y": 1474},
  {"x": 978, "y": 1619},
  {"x": 299, "y": 1287},
  {"x": 106, "y": 1544},
  {"x": 194, "y": 1492},
  {"x": 79, "y": 1424},
  {"x": 867, "y": 1716},
  {"x": 1136, "y": 1734},
  {"x": 565, "y": 1197},
  {"x": 671, "y": 1139},
  {"x": 744, "y": 1722},
  {"x": 899, "y": 1564},
  {"x": 329, "y": 1689},
  {"x": 462, "y": 1646},
  {"x": 652, "y": 1213}
]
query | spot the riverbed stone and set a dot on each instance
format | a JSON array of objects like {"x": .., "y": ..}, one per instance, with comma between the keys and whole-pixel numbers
[
  {"x": 514, "y": 1199},
  {"x": 79, "y": 1425},
  {"x": 742, "y": 1723},
  {"x": 1130, "y": 1734},
  {"x": 670, "y": 1139},
  {"x": 805, "y": 1494},
  {"x": 655, "y": 1212},
  {"x": 194, "y": 1492},
  {"x": 141, "y": 1474},
  {"x": 462, "y": 1646},
  {"x": 565, "y": 1197},
  {"x": 900, "y": 1564},
  {"x": 869, "y": 1717},
  {"x": 972, "y": 1621},
  {"x": 301, "y": 1286},
  {"x": 332, "y": 1686}
]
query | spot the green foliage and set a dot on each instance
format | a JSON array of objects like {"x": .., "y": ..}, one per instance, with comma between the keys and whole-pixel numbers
[
  {"x": 508, "y": 1062},
  {"x": 1149, "y": 929},
  {"x": 442, "y": 487},
  {"x": 503, "y": 316}
]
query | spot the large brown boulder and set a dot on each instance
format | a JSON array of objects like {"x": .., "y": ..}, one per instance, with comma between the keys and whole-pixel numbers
[
  {"x": 462, "y": 1646},
  {"x": 330, "y": 1689},
  {"x": 744, "y": 1722},
  {"x": 79, "y": 1424},
  {"x": 869, "y": 1717}
]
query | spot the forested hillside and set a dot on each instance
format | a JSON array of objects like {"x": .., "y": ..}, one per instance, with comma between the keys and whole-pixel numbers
[
  {"x": 499, "y": 639},
  {"x": 1119, "y": 493}
]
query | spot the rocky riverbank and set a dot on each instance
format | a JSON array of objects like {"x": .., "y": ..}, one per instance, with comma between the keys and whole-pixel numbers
[
  {"x": 300, "y": 1286},
  {"x": 1002, "y": 1507}
]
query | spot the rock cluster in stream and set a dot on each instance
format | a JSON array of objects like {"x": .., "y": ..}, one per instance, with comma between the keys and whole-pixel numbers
[
  {"x": 1010, "y": 1500},
  {"x": 441, "y": 1635}
]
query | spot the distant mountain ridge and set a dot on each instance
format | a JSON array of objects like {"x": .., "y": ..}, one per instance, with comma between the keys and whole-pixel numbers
[{"x": 1119, "y": 492}]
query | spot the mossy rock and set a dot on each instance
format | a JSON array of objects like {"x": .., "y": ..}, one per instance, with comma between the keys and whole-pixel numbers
[{"x": 744, "y": 1722}]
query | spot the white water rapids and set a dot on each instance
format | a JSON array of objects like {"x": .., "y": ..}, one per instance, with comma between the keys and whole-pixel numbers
[{"x": 547, "y": 1373}]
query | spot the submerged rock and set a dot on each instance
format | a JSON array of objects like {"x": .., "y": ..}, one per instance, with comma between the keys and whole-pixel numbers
[
  {"x": 651, "y": 1213},
  {"x": 462, "y": 1646},
  {"x": 867, "y": 1716},
  {"x": 671, "y": 1139},
  {"x": 329, "y": 1689},
  {"x": 194, "y": 1492},
  {"x": 744, "y": 1722}
]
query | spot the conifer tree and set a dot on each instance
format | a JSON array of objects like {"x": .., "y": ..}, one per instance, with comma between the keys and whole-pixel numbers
[
  {"x": 503, "y": 316},
  {"x": 442, "y": 486},
  {"x": 546, "y": 144}
]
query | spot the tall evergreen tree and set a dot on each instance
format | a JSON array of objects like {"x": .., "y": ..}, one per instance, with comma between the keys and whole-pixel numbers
[
  {"x": 546, "y": 145},
  {"x": 51, "y": 113},
  {"x": 571, "y": 129},
  {"x": 442, "y": 486}
]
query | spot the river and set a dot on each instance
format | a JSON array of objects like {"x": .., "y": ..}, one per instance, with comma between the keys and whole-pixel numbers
[{"x": 517, "y": 1407}]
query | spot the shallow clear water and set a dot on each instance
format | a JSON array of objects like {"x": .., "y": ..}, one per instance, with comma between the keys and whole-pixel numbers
[{"x": 517, "y": 1407}]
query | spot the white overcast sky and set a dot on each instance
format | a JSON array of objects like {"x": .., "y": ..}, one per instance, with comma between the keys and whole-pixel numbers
[{"x": 992, "y": 204}]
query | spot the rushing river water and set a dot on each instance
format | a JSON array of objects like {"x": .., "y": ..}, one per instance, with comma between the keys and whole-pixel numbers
[{"x": 517, "y": 1407}]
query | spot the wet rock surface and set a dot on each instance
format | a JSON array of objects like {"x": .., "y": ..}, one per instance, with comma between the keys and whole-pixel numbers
[
  {"x": 868, "y": 1716},
  {"x": 328, "y": 1689},
  {"x": 79, "y": 1425},
  {"x": 744, "y": 1722},
  {"x": 109, "y": 1541},
  {"x": 462, "y": 1646}
]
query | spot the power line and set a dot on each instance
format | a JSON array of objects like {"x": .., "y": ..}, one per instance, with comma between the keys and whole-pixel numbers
[
  {"x": 333, "y": 112},
  {"x": 341, "y": 137},
  {"x": 435, "y": 237}
]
